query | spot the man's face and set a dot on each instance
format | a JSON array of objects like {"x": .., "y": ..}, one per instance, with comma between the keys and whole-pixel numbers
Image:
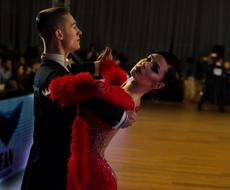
[
  {"x": 71, "y": 33},
  {"x": 142, "y": 72}
]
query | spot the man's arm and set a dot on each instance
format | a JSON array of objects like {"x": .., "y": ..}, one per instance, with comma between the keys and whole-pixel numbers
[
  {"x": 113, "y": 115},
  {"x": 75, "y": 68}
]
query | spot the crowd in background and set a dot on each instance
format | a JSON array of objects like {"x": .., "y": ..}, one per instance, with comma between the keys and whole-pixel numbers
[
  {"x": 195, "y": 80},
  {"x": 17, "y": 71},
  {"x": 207, "y": 79}
]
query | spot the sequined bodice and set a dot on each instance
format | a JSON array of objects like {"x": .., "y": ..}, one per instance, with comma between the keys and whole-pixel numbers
[
  {"x": 101, "y": 175},
  {"x": 99, "y": 132}
]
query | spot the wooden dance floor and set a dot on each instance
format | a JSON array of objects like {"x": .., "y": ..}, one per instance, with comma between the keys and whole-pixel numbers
[{"x": 173, "y": 147}]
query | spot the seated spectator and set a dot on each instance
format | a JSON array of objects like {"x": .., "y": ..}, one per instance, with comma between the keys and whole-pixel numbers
[
  {"x": 18, "y": 77},
  {"x": 6, "y": 72},
  {"x": 28, "y": 81}
]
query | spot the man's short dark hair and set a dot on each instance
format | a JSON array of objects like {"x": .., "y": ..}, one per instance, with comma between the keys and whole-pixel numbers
[{"x": 48, "y": 19}]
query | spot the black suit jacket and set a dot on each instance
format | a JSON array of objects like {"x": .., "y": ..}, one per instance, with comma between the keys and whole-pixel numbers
[{"x": 47, "y": 163}]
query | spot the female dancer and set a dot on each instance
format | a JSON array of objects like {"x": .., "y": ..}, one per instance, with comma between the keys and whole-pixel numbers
[{"x": 88, "y": 168}]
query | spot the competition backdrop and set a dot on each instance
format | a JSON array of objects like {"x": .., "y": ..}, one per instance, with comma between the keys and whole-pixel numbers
[{"x": 16, "y": 127}]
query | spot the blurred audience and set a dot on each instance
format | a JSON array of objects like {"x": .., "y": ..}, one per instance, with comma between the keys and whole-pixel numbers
[
  {"x": 6, "y": 72},
  {"x": 28, "y": 81},
  {"x": 215, "y": 87},
  {"x": 17, "y": 71},
  {"x": 197, "y": 80}
]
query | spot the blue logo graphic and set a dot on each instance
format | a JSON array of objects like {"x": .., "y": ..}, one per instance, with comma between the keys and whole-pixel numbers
[{"x": 8, "y": 123}]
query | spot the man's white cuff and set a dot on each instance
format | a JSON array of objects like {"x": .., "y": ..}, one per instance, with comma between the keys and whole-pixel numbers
[{"x": 123, "y": 118}]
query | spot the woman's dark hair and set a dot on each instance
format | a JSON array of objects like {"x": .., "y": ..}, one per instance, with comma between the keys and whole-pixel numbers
[
  {"x": 173, "y": 61},
  {"x": 169, "y": 77}
]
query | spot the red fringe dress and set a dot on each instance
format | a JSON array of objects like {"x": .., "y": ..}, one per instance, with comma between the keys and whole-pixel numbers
[{"x": 87, "y": 167}]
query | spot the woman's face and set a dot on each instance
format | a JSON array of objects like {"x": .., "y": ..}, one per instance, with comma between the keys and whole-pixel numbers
[{"x": 143, "y": 73}]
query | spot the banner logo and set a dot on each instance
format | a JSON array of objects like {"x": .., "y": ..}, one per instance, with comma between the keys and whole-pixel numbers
[{"x": 8, "y": 123}]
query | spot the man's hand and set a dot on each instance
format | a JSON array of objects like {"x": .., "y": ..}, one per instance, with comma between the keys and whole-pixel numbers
[{"x": 106, "y": 54}]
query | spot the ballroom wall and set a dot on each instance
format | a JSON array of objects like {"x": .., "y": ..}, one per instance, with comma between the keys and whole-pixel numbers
[{"x": 135, "y": 27}]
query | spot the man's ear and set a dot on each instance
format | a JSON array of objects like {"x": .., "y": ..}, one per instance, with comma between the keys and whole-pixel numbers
[
  {"x": 59, "y": 34},
  {"x": 159, "y": 85}
]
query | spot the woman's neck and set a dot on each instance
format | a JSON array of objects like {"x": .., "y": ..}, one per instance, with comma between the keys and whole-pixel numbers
[{"x": 136, "y": 90}]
